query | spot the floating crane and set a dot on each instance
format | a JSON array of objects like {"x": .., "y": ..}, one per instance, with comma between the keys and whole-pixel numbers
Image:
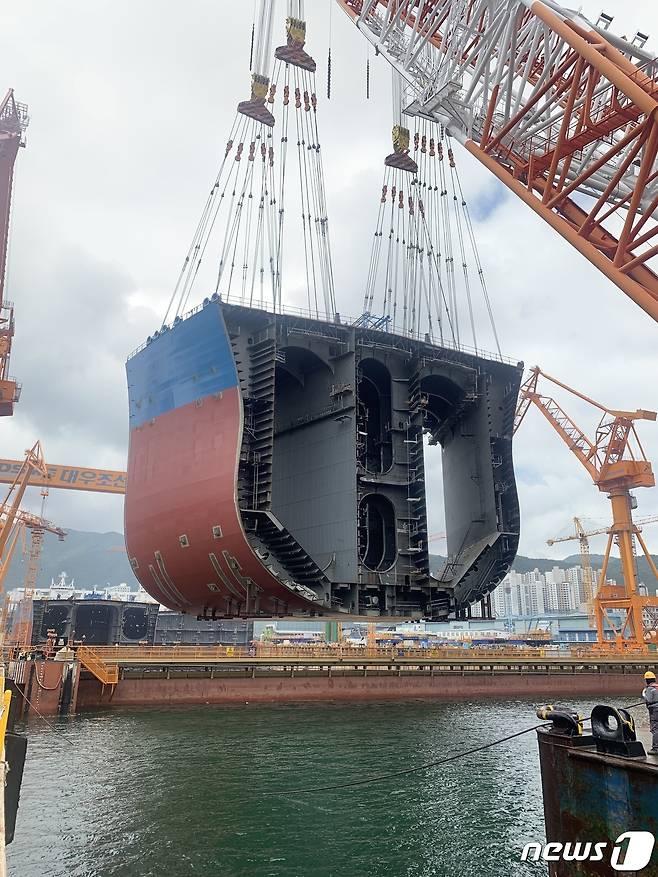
[
  {"x": 617, "y": 464},
  {"x": 555, "y": 106},
  {"x": 13, "y": 122}
]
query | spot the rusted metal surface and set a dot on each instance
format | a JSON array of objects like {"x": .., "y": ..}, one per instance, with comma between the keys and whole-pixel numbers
[{"x": 595, "y": 797}]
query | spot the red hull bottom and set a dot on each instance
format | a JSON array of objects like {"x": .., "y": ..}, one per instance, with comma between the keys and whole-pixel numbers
[{"x": 184, "y": 532}]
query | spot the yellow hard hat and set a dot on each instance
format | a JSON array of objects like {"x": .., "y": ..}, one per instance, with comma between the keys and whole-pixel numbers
[{"x": 649, "y": 675}]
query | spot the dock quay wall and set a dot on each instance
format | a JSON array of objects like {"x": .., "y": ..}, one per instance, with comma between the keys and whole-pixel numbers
[
  {"x": 108, "y": 678},
  {"x": 203, "y": 677},
  {"x": 195, "y": 687}
]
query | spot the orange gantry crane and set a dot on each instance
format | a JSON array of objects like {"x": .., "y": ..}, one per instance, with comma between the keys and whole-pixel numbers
[
  {"x": 67, "y": 477},
  {"x": 554, "y": 105},
  {"x": 13, "y": 122},
  {"x": 10, "y": 510},
  {"x": 617, "y": 465},
  {"x": 12, "y": 521},
  {"x": 21, "y": 631}
]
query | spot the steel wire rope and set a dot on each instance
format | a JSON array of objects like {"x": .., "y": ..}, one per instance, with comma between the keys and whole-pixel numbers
[
  {"x": 275, "y": 218},
  {"x": 378, "y": 244},
  {"x": 449, "y": 258},
  {"x": 231, "y": 211},
  {"x": 243, "y": 231},
  {"x": 307, "y": 244},
  {"x": 209, "y": 223},
  {"x": 277, "y": 212},
  {"x": 416, "y": 268},
  {"x": 324, "y": 211},
  {"x": 419, "y": 245},
  {"x": 425, "y": 207},
  {"x": 258, "y": 249},
  {"x": 434, "y": 257},
  {"x": 429, "y": 222},
  {"x": 460, "y": 239},
  {"x": 264, "y": 132},
  {"x": 314, "y": 178},
  {"x": 443, "y": 294},
  {"x": 247, "y": 227},
  {"x": 432, "y": 225},
  {"x": 314, "y": 197},
  {"x": 266, "y": 207},
  {"x": 259, "y": 242},
  {"x": 389, "y": 310},
  {"x": 375, "y": 251},
  {"x": 396, "y": 257},
  {"x": 206, "y": 230},
  {"x": 409, "y": 261},
  {"x": 478, "y": 262},
  {"x": 303, "y": 190},
  {"x": 405, "y": 265},
  {"x": 198, "y": 230},
  {"x": 312, "y": 200},
  {"x": 375, "y": 778},
  {"x": 52, "y": 727},
  {"x": 425, "y": 295},
  {"x": 422, "y": 291},
  {"x": 232, "y": 235}
]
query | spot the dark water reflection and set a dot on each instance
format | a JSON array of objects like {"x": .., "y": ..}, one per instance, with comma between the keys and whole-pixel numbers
[{"x": 196, "y": 791}]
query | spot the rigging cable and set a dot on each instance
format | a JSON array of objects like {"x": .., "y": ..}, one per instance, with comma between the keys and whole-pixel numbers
[
  {"x": 331, "y": 6},
  {"x": 478, "y": 263},
  {"x": 50, "y": 725},
  {"x": 376, "y": 778}
]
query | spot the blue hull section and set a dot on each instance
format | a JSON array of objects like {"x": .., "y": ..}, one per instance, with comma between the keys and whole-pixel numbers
[{"x": 181, "y": 365}]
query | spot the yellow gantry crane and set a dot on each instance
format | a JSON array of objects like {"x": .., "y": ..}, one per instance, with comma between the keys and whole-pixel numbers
[
  {"x": 582, "y": 536},
  {"x": 33, "y": 464},
  {"x": 617, "y": 464},
  {"x": 21, "y": 632},
  {"x": 585, "y": 562},
  {"x": 13, "y": 522}
]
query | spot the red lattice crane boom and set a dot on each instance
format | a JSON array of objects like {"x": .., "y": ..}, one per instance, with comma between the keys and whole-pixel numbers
[
  {"x": 13, "y": 122},
  {"x": 556, "y": 107}
]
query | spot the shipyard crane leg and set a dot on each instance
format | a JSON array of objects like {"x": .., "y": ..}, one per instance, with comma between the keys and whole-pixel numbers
[
  {"x": 625, "y": 601},
  {"x": 21, "y": 634}
]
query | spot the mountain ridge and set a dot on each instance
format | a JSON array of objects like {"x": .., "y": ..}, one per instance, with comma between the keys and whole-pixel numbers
[{"x": 100, "y": 559}]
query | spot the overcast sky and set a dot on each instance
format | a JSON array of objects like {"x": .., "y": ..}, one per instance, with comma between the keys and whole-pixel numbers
[{"x": 131, "y": 105}]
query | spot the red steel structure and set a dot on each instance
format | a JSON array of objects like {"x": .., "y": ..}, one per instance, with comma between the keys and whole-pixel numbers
[
  {"x": 563, "y": 112},
  {"x": 13, "y": 122}
]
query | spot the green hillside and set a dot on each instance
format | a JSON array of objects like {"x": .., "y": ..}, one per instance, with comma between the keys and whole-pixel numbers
[
  {"x": 92, "y": 559},
  {"x": 99, "y": 559}
]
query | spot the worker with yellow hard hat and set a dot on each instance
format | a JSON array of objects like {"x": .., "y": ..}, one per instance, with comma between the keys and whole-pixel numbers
[{"x": 650, "y": 695}]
